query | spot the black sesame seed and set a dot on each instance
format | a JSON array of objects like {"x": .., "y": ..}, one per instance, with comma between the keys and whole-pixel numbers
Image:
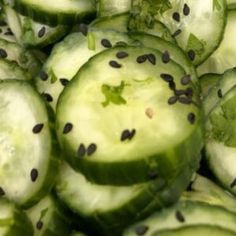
[
  {"x": 179, "y": 216},
  {"x": 67, "y": 128},
  {"x": 34, "y": 175},
  {"x": 132, "y": 133},
  {"x": 39, "y": 225},
  {"x": 3, "y": 53},
  {"x": 167, "y": 77},
  {"x": 115, "y": 64},
  {"x": 3, "y": 23},
  {"x": 186, "y": 10},
  {"x": 191, "y": 118},
  {"x": 43, "y": 75},
  {"x": 176, "y": 33},
  {"x": 47, "y": 97},
  {"x": 121, "y": 55},
  {"x": 64, "y": 82},
  {"x": 141, "y": 59},
  {"x": 180, "y": 92},
  {"x": 165, "y": 57},
  {"x": 91, "y": 149},
  {"x": 191, "y": 55},
  {"x": 140, "y": 230},
  {"x": 81, "y": 150},
  {"x": 219, "y": 93},
  {"x": 172, "y": 100},
  {"x": 176, "y": 16},
  {"x": 185, "y": 80},
  {"x": 153, "y": 175},
  {"x": 37, "y": 128},
  {"x": 2, "y": 192},
  {"x": 42, "y": 32},
  {"x": 172, "y": 85},
  {"x": 83, "y": 28},
  {"x": 233, "y": 184},
  {"x": 8, "y": 32},
  {"x": 185, "y": 100},
  {"x": 189, "y": 92},
  {"x": 125, "y": 135},
  {"x": 151, "y": 58},
  {"x": 106, "y": 43}
]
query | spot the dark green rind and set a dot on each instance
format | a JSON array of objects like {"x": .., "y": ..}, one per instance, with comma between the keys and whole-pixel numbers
[
  {"x": 196, "y": 230},
  {"x": 194, "y": 213},
  {"x": 153, "y": 197},
  {"x": 54, "y": 18}
]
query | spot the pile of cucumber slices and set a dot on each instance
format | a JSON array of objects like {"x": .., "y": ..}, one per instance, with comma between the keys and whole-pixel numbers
[{"x": 117, "y": 117}]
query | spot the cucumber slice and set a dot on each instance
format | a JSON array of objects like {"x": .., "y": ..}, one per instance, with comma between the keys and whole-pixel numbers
[
  {"x": 57, "y": 12},
  {"x": 116, "y": 206},
  {"x": 13, "y": 221},
  {"x": 31, "y": 33},
  {"x": 221, "y": 141},
  {"x": 204, "y": 190},
  {"x": 68, "y": 56},
  {"x": 10, "y": 70},
  {"x": 184, "y": 20},
  {"x": 207, "y": 82},
  {"x": 109, "y": 8},
  {"x": 196, "y": 230},
  {"x": 184, "y": 213},
  {"x": 28, "y": 151},
  {"x": 138, "y": 98},
  {"x": 223, "y": 58},
  {"x": 47, "y": 218}
]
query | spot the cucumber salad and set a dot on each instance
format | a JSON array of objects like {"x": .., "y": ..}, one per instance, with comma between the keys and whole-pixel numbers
[{"x": 118, "y": 117}]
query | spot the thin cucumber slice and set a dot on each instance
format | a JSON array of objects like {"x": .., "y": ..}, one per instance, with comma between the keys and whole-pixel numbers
[
  {"x": 28, "y": 151},
  {"x": 184, "y": 20},
  {"x": 221, "y": 141},
  {"x": 205, "y": 190},
  {"x": 109, "y": 8},
  {"x": 223, "y": 58},
  {"x": 13, "y": 221},
  {"x": 57, "y": 12},
  {"x": 10, "y": 70},
  {"x": 207, "y": 82},
  {"x": 196, "y": 230},
  {"x": 184, "y": 213},
  {"x": 116, "y": 206},
  {"x": 138, "y": 98},
  {"x": 47, "y": 218},
  {"x": 68, "y": 56}
]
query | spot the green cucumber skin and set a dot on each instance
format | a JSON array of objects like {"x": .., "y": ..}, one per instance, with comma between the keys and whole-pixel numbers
[{"x": 53, "y": 18}]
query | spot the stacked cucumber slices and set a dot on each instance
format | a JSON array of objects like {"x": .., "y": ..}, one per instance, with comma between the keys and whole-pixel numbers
[{"x": 117, "y": 118}]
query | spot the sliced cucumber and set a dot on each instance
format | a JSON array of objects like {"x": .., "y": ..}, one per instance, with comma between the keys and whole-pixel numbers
[
  {"x": 109, "y": 8},
  {"x": 221, "y": 140},
  {"x": 204, "y": 190},
  {"x": 31, "y": 33},
  {"x": 139, "y": 98},
  {"x": 184, "y": 213},
  {"x": 10, "y": 70},
  {"x": 68, "y": 56},
  {"x": 184, "y": 19},
  {"x": 116, "y": 206},
  {"x": 196, "y": 230},
  {"x": 47, "y": 218},
  {"x": 28, "y": 151},
  {"x": 13, "y": 221},
  {"x": 223, "y": 58},
  {"x": 56, "y": 12}
]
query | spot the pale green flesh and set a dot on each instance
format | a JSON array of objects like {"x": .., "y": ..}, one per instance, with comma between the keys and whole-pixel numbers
[
  {"x": 144, "y": 92},
  {"x": 202, "y": 13},
  {"x": 22, "y": 150},
  {"x": 224, "y": 56},
  {"x": 193, "y": 213},
  {"x": 196, "y": 230}
]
